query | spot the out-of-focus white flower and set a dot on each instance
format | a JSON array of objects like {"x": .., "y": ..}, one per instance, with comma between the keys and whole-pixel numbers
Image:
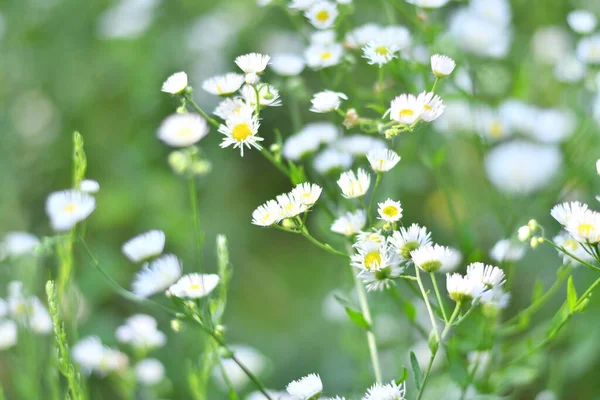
[
  {"x": 521, "y": 167},
  {"x": 30, "y": 312},
  {"x": 453, "y": 259},
  {"x": 268, "y": 95},
  {"x": 524, "y": 233},
  {"x": 428, "y": 3},
  {"x": 588, "y": 49},
  {"x": 441, "y": 65},
  {"x": 397, "y": 36},
  {"x": 149, "y": 371},
  {"x": 382, "y": 160},
  {"x": 491, "y": 125},
  {"x": 381, "y": 51},
  {"x": 89, "y": 186},
  {"x": 546, "y": 395},
  {"x": 363, "y": 35},
  {"x": 302, "y": 5},
  {"x": 68, "y": 207},
  {"x": 233, "y": 106},
  {"x": 354, "y": 185},
  {"x": 309, "y": 139},
  {"x": 585, "y": 226},
  {"x": 566, "y": 241},
  {"x": 93, "y": 356},
  {"x": 495, "y": 298},
  {"x": 431, "y": 258},
  {"x": 408, "y": 239},
  {"x": 553, "y": 125},
  {"x": 359, "y": 145},
  {"x": 551, "y": 44},
  {"x": 289, "y": 205},
  {"x": 194, "y": 286},
  {"x": 564, "y": 212},
  {"x": 278, "y": 395},
  {"x": 582, "y": 21},
  {"x": 478, "y": 35},
  {"x": 8, "y": 334},
  {"x": 239, "y": 131},
  {"x": 175, "y": 83},
  {"x": 17, "y": 244},
  {"x": 323, "y": 37},
  {"x": 507, "y": 250},
  {"x": 495, "y": 11},
  {"x": 327, "y": 101},
  {"x": 406, "y": 109},
  {"x": 307, "y": 193},
  {"x": 306, "y": 388},
  {"x": 322, "y": 14},
  {"x": 569, "y": 70},
  {"x": 390, "y": 211},
  {"x": 144, "y": 246},
  {"x": 182, "y": 130},
  {"x": 157, "y": 276},
  {"x": 488, "y": 275},
  {"x": 248, "y": 356},
  {"x": 287, "y": 64},
  {"x": 323, "y": 55},
  {"x": 389, "y": 391},
  {"x": 267, "y": 214},
  {"x": 332, "y": 160},
  {"x": 141, "y": 333},
  {"x": 224, "y": 85},
  {"x": 128, "y": 19},
  {"x": 350, "y": 223},
  {"x": 457, "y": 118},
  {"x": 463, "y": 288}
]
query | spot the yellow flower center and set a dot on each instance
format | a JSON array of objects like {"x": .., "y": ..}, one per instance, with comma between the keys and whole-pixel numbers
[
  {"x": 185, "y": 132},
  {"x": 585, "y": 229},
  {"x": 195, "y": 286},
  {"x": 571, "y": 244},
  {"x": 496, "y": 129},
  {"x": 322, "y": 16},
  {"x": 326, "y": 55},
  {"x": 372, "y": 259},
  {"x": 381, "y": 164},
  {"x": 240, "y": 132},
  {"x": 382, "y": 51},
  {"x": 427, "y": 107},
  {"x": 390, "y": 211},
  {"x": 406, "y": 113},
  {"x": 69, "y": 208},
  {"x": 219, "y": 89}
]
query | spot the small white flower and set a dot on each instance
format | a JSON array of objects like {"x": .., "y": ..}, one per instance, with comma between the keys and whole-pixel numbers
[
  {"x": 176, "y": 83},
  {"x": 431, "y": 258},
  {"x": 463, "y": 288},
  {"x": 268, "y": 95},
  {"x": 406, "y": 109},
  {"x": 140, "y": 331},
  {"x": 240, "y": 130},
  {"x": 68, "y": 207},
  {"x": 327, "y": 101},
  {"x": 302, "y": 5},
  {"x": 306, "y": 388},
  {"x": 287, "y": 64},
  {"x": 428, "y": 3},
  {"x": 564, "y": 212},
  {"x": 382, "y": 160},
  {"x": 322, "y": 14},
  {"x": 507, "y": 250},
  {"x": 149, "y": 371},
  {"x": 433, "y": 106},
  {"x": 194, "y": 286},
  {"x": 307, "y": 193},
  {"x": 354, "y": 185},
  {"x": 332, "y": 160},
  {"x": 8, "y": 334},
  {"x": 441, "y": 65},
  {"x": 252, "y": 63},
  {"x": 488, "y": 275},
  {"x": 182, "y": 130},
  {"x": 144, "y": 246},
  {"x": 30, "y": 312},
  {"x": 390, "y": 211},
  {"x": 582, "y": 21},
  {"x": 566, "y": 241},
  {"x": 453, "y": 259},
  {"x": 389, "y": 391},
  {"x": 588, "y": 49},
  {"x": 233, "y": 106},
  {"x": 309, "y": 139},
  {"x": 363, "y": 35},
  {"x": 157, "y": 276},
  {"x": 408, "y": 239},
  {"x": 524, "y": 233},
  {"x": 350, "y": 223},
  {"x": 267, "y": 214},
  {"x": 359, "y": 145},
  {"x": 93, "y": 356},
  {"x": 89, "y": 186},
  {"x": 380, "y": 51},
  {"x": 570, "y": 70},
  {"x": 17, "y": 244},
  {"x": 289, "y": 205},
  {"x": 224, "y": 85},
  {"x": 323, "y": 55},
  {"x": 585, "y": 227},
  {"x": 324, "y": 37}
]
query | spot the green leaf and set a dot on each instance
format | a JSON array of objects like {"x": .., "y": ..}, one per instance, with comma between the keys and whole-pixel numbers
[
  {"x": 418, "y": 375},
  {"x": 403, "y": 377},
  {"x": 581, "y": 307},
  {"x": 297, "y": 174},
  {"x": 538, "y": 291},
  {"x": 409, "y": 310},
  {"x": 358, "y": 318},
  {"x": 571, "y": 294},
  {"x": 344, "y": 302}
]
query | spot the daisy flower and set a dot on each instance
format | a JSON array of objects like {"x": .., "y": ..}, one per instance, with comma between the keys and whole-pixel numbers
[
  {"x": 382, "y": 160},
  {"x": 287, "y": 64},
  {"x": 566, "y": 241},
  {"x": 323, "y": 55},
  {"x": 233, "y": 106},
  {"x": 332, "y": 160},
  {"x": 441, "y": 65},
  {"x": 306, "y": 388},
  {"x": 463, "y": 288},
  {"x": 149, "y": 371},
  {"x": 359, "y": 145},
  {"x": 224, "y": 85},
  {"x": 406, "y": 109},
  {"x": 93, "y": 356},
  {"x": 194, "y": 286},
  {"x": 369, "y": 240},
  {"x": 267, "y": 214},
  {"x": 322, "y": 14},
  {"x": 431, "y": 258},
  {"x": 390, "y": 391},
  {"x": 8, "y": 334},
  {"x": 144, "y": 246},
  {"x": 253, "y": 63},
  {"x": 327, "y": 101},
  {"x": 68, "y": 207},
  {"x": 176, "y": 83},
  {"x": 390, "y": 211},
  {"x": 380, "y": 52},
  {"x": 17, "y": 244},
  {"x": 433, "y": 106},
  {"x": 507, "y": 250},
  {"x": 585, "y": 227},
  {"x": 182, "y": 130},
  {"x": 89, "y": 186},
  {"x": 408, "y": 239},
  {"x": 140, "y": 331},
  {"x": 582, "y": 21},
  {"x": 157, "y": 276},
  {"x": 565, "y": 211},
  {"x": 289, "y": 205},
  {"x": 240, "y": 130},
  {"x": 307, "y": 193},
  {"x": 267, "y": 95},
  {"x": 350, "y": 223},
  {"x": 488, "y": 275},
  {"x": 354, "y": 185}
]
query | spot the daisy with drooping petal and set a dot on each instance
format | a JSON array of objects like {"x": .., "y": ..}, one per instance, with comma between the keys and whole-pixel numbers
[
  {"x": 433, "y": 106},
  {"x": 354, "y": 185},
  {"x": 565, "y": 211},
  {"x": 380, "y": 51},
  {"x": 327, "y": 101},
  {"x": 431, "y": 258},
  {"x": 463, "y": 288},
  {"x": 322, "y": 14},
  {"x": 285, "y": 64},
  {"x": 144, "y": 246},
  {"x": 408, "y": 239},
  {"x": 350, "y": 223},
  {"x": 240, "y": 130},
  {"x": 289, "y": 205},
  {"x": 252, "y": 63},
  {"x": 307, "y": 193},
  {"x": 389, "y": 391},
  {"x": 582, "y": 21},
  {"x": 182, "y": 130},
  {"x": 488, "y": 275},
  {"x": 194, "y": 286},
  {"x": 382, "y": 160},
  {"x": 89, "y": 186},
  {"x": 224, "y": 85},
  {"x": 390, "y": 211},
  {"x": 140, "y": 331},
  {"x": 406, "y": 109},
  {"x": 68, "y": 207},
  {"x": 157, "y": 276},
  {"x": 323, "y": 55},
  {"x": 176, "y": 83},
  {"x": 233, "y": 106},
  {"x": 306, "y": 388},
  {"x": 268, "y": 95},
  {"x": 441, "y": 65},
  {"x": 585, "y": 227},
  {"x": 267, "y": 214}
]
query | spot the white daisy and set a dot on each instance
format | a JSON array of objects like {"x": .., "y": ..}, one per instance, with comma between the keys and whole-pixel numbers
[
  {"x": 492, "y": 125},
  {"x": 240, "y": 130},
  {"x": 433, "y": 106},
  {"x": 89, "y": 186},
  {"x": 17, "y": 244},
  {"x": 289, "y": 205},
  {"x": 331, "y": 160},
  {"x": 369, "y": 240},
  {"x": 588, "y": 49},
  {"x": 157, "y": 276},
  {"x": 389, "y": 391},
  {"x": 307, "y": 193},
  {"x": 441, "y": 65},
  {"x": 322, "y": 14},
  {"x": 267, "y": 214},
  {"x": 380, "y": 51},
  {"x": 566, "y": 241},
  {"x": 8, "y": 334},
  {"x": 306, "y": 388},
  {"x": 382, "y": 160},
  {"x": 585, "y": 227},
  {"x": 566, "y": 211},
  {"x": 406, "y": 109},
  {"x": 359, "y": 145},
  {"x": 182, "y": 130},
  {"x": 93, "y": 356},
  {"x": 431, "y": 258},
  {"x": 408, "y": 239},
  {"x": 140, "y": 331},
  {"x": 350, "y": 223},
  {"x": 354, "y": 185},
  {"x": 507, "y": 250},
  {"x": 194, "y": 286},
  {"x": 323, "y": 55},
  {"x": 145, "y": 245},
  {"x": 287, "y": 64},
  {"x": 224, "y": 85},
  {"x": 149, "y": 371},
  {"x": 582, "y": 21},
  {"x": 390, "y": 211},
  {"x": 327, "y": 101},
  {"x": 463, "y": 288},
  {"x": 252, "y": 63},
  {"x": 175, "y": 83},
  {"x": 68, "y": 207},
  {"x": 233, "y": 106},
  {"x": 489, "y": 275},
  {"x": 268, "y": 95},
  {"x": 363, "y": 35},
  {"x": 453, "y": 260}
]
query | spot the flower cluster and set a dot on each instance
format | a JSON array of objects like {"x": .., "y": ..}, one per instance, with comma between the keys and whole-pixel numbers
[{"x": 287, "y": 205}]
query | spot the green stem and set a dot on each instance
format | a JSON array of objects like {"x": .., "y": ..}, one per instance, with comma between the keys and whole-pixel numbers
[
  {"x": 427, "y": 372},
  {"x": 574, "y": 257},
  {"x": 453, "y": 318},
  {"x": 435, "y": 84},
  {"x": 429, "y": 310},
  {"x": 324, "y": 246},
  {"x": 377, "y": 181},
  {"x": 191, "y": 101},
  {"x": 437, "y": 295},
  {"x": 380, "y": 85},
  {"x": 196, "y": 216}
]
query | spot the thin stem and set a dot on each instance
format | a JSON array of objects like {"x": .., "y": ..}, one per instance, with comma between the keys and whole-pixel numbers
[
  {"x": 563, "y": 250},
  {"x": 439, "y": 298},
  {"x": 190, "y": 100},
  {"x": 257, "y": 99},
  {"x": 452, "y": 318},
  {"x": 380, "y": 85},
  {"x": 284, "y": 170},
  {"x": 377, "y": 181},
  {"x": 323, "y": 246},
  {"x": 196, "y": 216},
  {"x": 427, "y": 372},
  {"x": 429, "y": 310},
  {"x": 435, "y": 84}
]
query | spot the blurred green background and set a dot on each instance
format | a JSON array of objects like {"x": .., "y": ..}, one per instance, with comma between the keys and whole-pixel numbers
[{"x": 60, "y": 72}]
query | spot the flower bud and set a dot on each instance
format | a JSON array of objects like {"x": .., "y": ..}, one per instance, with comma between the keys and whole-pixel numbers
[
  {"x": 534, "y": 242},
  {"x": 524, "y": 233},
  {"x": 179, "y": 162},
  {"x": 176, "y": 325},
  {"x": 351, "y": 118},
  {"x": 532, "y": 224}
]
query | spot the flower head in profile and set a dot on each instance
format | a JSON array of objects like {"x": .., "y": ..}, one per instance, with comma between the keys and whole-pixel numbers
[
  {"x": 350, "y": 223},
  {"x": 241, "y": 130},
  {"x": 267, "y": 214},
  {"x": 68, "y": 207},
  {"x": 406, "y": 109},
  {"x": 441, "y": 65},
  {"x": 290, "y": 205},
  {"x": 390, "y": 211},
  {"x": 431, "y": 258},
  {"x": 354, "y": 185},
  {"x": 144, "y": 246},
  {"x": 322, "y": 14},
  {"x": 194, "y": 286},
  {"x": 306, "y": 388},
  {"x": 252, "y": 63},
  {"x": 389, "y": 391},
  {"x": 433, "y": 106},
  {"x": 89, "y": 186},
  {"x": 182, "y": 130},
  {"x": 307, "y": 193},
  {"x": 408, "y": 239},
  {"x": 175, "y": 83},
  {"x": 463, "y": 288},
  {"x": 327, "y": 101},
  {"x": 224, "y": 85},
  {"x": 564, "y": 212},
  {"x": 382, "y": 160},
  {"x": 488, "y": 275},
  {"x": 157, "y": 276}
]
